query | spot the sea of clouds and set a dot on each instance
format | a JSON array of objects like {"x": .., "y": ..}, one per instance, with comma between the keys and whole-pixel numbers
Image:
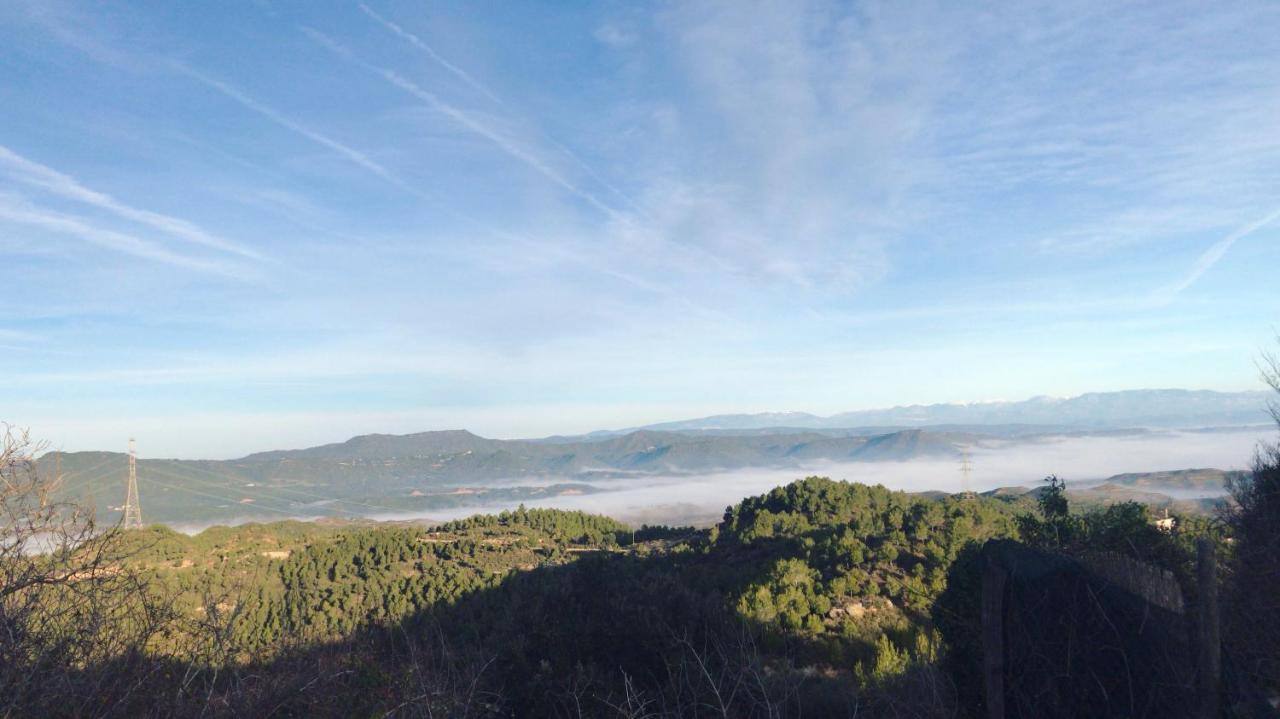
[{"x": 1081, "y": 461}]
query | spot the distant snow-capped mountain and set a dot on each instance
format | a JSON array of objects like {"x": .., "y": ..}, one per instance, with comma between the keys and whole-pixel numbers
[{"x": 1164, "y": 408}]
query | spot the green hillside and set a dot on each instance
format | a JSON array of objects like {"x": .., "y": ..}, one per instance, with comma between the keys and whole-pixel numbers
[
  {"x": 1183, "y": 479},
  {"x": 825, "y": 595},
  {"x": 375, "y": 475}
]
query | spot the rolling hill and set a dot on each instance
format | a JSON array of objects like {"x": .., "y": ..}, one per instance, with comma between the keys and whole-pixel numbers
[
  {"x": 386, "y": 474},
  {"x": 378, "y": 474}
]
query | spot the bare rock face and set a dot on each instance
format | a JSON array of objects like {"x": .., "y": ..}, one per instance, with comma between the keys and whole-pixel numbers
[{"x": 859, "y": 608}]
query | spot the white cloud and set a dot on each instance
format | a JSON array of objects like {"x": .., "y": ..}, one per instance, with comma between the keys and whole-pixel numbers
[
  {"x": 675, "y": 499},
  {"x": 614, "y": 36},
  {"x": 816, "y": 115},
  {"x": 7, "y": 335}
]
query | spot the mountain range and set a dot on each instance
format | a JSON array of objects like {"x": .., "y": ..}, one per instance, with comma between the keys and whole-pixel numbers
[
  {"x": 382, "y": 473},
  {"x": 1155, "y": 408},
  {"x": 397, "y": 472}
]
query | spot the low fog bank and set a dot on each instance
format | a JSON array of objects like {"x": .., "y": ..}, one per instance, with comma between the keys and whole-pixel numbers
[
  {"x": 1095, "y": 458},
  {"x": 700, "y": 500},
  {"x": 1082, "y": 461}
]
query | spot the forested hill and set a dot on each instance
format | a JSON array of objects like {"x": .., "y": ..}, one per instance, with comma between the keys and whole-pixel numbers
[
  {"x": 382, "y": 446},
  {"x": 430, "y": 472},
  {"x": 379, "y": 474},
  {"x": 818, "y": 598},
  {"x": 826, "y": 575}
]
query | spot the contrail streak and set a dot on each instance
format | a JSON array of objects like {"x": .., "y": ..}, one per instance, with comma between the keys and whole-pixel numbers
[
  {"x": 21, "y": 212},
  {"x": 596, "y": 176},
  {"x": 465, "y": 120},
  {"x": 518, "y": 153},
  {"x": 349, "y": 153},
  {"x": 467, "y": 78},
  {"x": 502, "y": 142},
  {"x": 47, "y": 178},
  {"x": 1211, "y": 256},
  {"x": 418, "y": 43},
  {"x": 476, "y": 85}
]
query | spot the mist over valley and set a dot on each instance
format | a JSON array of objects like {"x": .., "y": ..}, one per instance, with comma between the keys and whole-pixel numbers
[{"x": 688, "y": 472}]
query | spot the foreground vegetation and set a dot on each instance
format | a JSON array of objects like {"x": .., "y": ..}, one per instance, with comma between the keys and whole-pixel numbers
[{"x": 820, "y": 598}]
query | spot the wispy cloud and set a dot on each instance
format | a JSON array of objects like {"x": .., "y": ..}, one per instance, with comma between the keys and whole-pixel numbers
[
  {"x": 785, "y": 203},
  {"x": 16, "y": 210},
  {"x": 19, "y": 336},
  {"x": 431, "y": 53},
  {"x": 592, "y": 260},
  {"x": 792, "y": 148},
  {"x": 614, "y": 36},
  {"x": 470, "y": 124},
  {"x": 1109, "y": 144},
  {"x": 70, "y": 26},
  {"x": 38, "y": 175},
  {"x": 650, "y": 235},
  {"x": 325, "y": 362}
]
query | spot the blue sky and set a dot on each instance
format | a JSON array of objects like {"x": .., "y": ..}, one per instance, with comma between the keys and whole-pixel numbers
[{"x": 235, "y": 226}]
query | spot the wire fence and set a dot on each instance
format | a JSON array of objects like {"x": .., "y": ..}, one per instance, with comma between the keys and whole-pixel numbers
[{"x": 1100, "y": 636}]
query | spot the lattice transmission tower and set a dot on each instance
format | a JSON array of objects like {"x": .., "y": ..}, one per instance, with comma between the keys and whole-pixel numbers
[
  {"x": 966, "y": 470},
  {"x": 132, "y": 508}
]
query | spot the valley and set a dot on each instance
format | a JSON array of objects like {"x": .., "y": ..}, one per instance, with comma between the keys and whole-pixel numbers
[{"x": 645, "y": 475}]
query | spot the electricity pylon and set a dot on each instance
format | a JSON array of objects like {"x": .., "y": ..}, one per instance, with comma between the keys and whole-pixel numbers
[
  {"x": 966, "y": 469},
  {"x": 132, "y": 508}
]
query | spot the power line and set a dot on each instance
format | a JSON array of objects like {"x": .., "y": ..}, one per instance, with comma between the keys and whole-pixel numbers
[
  {"x": 214, "y": 496},
  {"x": 271, "y": 494},
  {"x": 215, "y": 486},
  {"x": 259, "y": 490},
  {"x": 99, "y": 465},
  {"x": 299, "y": 492},
  {"x": 84, "y": 480},
  {"x": 187, "y": 478}
]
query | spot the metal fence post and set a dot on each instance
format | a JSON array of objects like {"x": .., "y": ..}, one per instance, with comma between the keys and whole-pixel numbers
[
  {"x": 993, "y": 581},
  {"x": 1208, "y": 639}
]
